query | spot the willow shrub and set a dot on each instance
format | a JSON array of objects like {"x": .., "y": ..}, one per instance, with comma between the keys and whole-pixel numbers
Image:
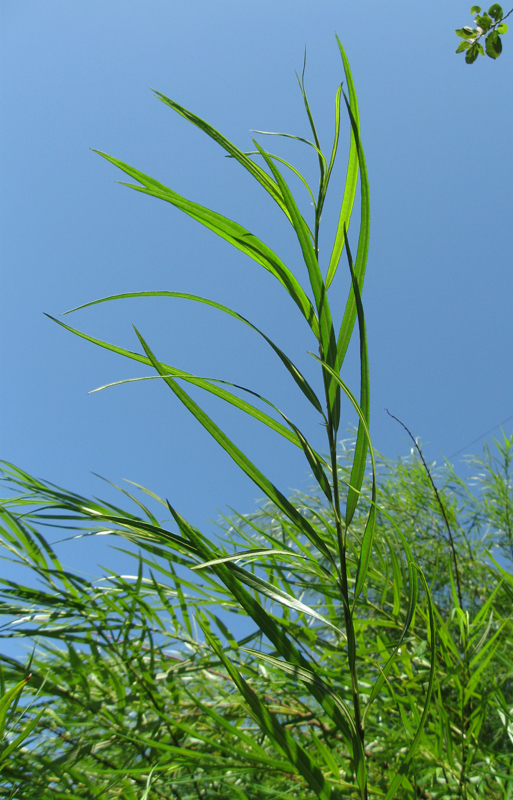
[
  {"x": 331, "y": 693},
  {"x": 131, "y": 702}
]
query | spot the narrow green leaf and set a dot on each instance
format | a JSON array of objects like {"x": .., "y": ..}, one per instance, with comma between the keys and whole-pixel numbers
[
  {"x": 334, "y": 150},
  {"x": 279, "y": 596},
  {"x": 203, "y": 383},
  {"x": 349, "y": 318},
  {"x": 8, "y": 699},
  {"x": 326, "y": 333},
  {"x": 293, "y": 169},
  {"x": 268, "y": 722},
  {"x": 237, "y": 455},
  {"x": 360, "y": 452},
  {"x": 265, "y": 622},
  {"x": 412, "y": 605},
  {"x": 322, "y": 160},
  {"x": 231, "y": 231},
  {"x": 248, "y": 555},
  {"x": 302, "y": 233},
  {"x": 366, "y": 549},
  {"x": 406, "y": 761},
  {"x": 257, "y": 172},
  {"x": 351, "y": 173},
  {"x": 297, "y": 138},
  {"x": 18, "y": 741},
  {"x": 290, "y": 366},
  {"x": 311, "y": 679}
]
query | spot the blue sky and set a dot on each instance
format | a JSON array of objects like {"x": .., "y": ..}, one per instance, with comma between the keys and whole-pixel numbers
[{"x": 438, "y": 293}]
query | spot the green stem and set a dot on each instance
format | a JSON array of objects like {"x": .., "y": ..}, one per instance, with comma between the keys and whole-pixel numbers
[{"x": 344, "y": 590}]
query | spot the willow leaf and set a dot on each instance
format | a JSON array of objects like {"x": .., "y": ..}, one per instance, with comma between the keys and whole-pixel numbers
[
  {"x": 349, "y": 318},
  {"x": 257, "y": 172},
  {"x": 270, "y": 725},
  {"x": 291, "y": 367},
  {"x": 269, "y": 626},
  {"x": 203, "y": 383},
  {"x": 232, "y": 232},
  {"x": 360, "y": 451},
  {"x": 351, "y": 174},
  {"x": 406, "y": 761},
  {"x": 237, "y": 455}
]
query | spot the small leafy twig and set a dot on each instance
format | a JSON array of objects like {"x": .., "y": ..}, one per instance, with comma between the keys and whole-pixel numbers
[
  {"x": 442, "y": 509},
  {"x": 488, "y": 24}
]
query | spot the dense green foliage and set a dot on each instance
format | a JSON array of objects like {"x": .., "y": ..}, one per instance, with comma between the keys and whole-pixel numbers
[{"x": 135, "y": 705}]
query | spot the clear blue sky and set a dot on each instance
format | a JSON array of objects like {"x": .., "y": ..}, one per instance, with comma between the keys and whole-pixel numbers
[{"x": 438, "y": 294}]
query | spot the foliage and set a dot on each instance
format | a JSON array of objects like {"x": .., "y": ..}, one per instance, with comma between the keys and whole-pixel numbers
[
  {"x": 363, "y": 667},
  {"x": 8, "y": 706},
  {"x": 135, "y": 704},
  {"x": 489, "y": 25}
]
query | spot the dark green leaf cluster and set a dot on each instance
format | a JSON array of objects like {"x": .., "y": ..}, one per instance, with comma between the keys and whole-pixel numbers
[{"x": 488, "y": 25}]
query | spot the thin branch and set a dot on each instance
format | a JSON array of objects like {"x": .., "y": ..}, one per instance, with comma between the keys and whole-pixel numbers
[{"x": 442, "y": 509}]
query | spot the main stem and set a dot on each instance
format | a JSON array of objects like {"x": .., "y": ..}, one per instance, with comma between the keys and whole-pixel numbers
[{"x": 344, "y": 588}]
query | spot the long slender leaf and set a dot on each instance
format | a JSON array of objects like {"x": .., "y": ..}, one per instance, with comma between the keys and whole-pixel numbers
[
  {"x": 351, "y": 174},
  {"x": 237, "y": 455},
  {"x": 257, "y": 172},
  {"x": 406, "y": 761},
  {"x": 277, "y": 733},
  {"x": 360, "y": 451},
  {"x": 207, "y": 384},
  {"x": 232, "y": 232},
  {"x": 290, "y": 366},
  {"x": 349, "y": 318}
]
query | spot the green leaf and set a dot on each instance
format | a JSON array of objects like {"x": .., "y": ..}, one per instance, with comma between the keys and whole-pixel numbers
[
  {"x": 257, "y": 172},
  {"x": 237, "y": 455},
  {"x": 495, "y": 11},
  {"x": 210, "y": 385},
  {"x": 361, "y": 446},
  {"x": 279, "y": 596},
  {"x": 350, "y": 312},
  {"x": 290, "y": 366},
  {"x": 466, "y": 33},
  {"x": 463, "y": 46},
  {"x": 493, "y": 45},
  {"x": 232, "y": 232},
  {"x": 351, "y": 173},
  {"x": 484, "y": 22},
  {"x": 265, "y": 622},
  {"x": 268, "y": 722},
  {"x": 404, "y": 766},
  {"x": 326, "y": 333},
  {"x": 502, "y": 28},
  {"x": 18, "y": 741},
  {"x": 10, "y": 699},
  {"x": 322, "y": 160},
  {"x": 366, "y": 548},
  {"x": 472, "y": 53},
  {"x": 475, "y": 10},
  {"x": 289, "y": 166},
  {"x": 312, "y": 679}
]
